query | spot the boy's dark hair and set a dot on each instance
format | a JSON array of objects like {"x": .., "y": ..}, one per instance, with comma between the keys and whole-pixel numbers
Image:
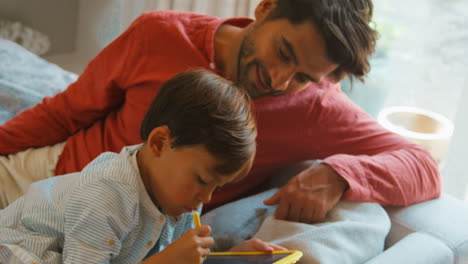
[
  {"x": 344, "y": 24},
  {"x": 202, "y": 108}
]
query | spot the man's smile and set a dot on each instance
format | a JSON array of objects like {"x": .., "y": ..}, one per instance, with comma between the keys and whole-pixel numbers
[{"x": 262, "y": 88}]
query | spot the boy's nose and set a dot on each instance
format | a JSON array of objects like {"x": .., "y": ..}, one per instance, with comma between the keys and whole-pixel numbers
[{"x": 205, "y": 196}]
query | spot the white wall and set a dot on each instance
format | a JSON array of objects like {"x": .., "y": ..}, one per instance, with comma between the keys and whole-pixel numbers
[
  {"x": 55, "y": 18},
  {"x": 98, "y": 24}
]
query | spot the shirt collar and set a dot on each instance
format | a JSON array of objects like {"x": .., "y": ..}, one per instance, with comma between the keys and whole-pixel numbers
[{"x": 144, "y": 196}]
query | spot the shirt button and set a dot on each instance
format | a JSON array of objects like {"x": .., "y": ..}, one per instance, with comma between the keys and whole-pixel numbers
[
  {"x": 162, "y": 218},
  {"x": 149, "y": 243},
  {"x": 212, "y": 65},
  {"x": 110, "y": 242}
]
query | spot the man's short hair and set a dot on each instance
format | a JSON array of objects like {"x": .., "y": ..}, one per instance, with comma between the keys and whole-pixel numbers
[
  {"x": 202, "y": 108},
  {"x": 345, "y": 26}
]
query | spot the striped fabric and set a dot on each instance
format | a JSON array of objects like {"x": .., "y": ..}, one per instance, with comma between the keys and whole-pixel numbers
[{"x": 101, "y": 215}]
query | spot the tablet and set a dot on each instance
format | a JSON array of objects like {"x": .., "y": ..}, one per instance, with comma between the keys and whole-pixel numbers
[{"x": 277, "y": 257}]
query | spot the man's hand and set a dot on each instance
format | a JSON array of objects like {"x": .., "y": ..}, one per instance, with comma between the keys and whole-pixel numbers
[
  {"x": 310, "y": 195},
  {"x": 256, "y": 245},
  {"x": 190, "y": 248}
]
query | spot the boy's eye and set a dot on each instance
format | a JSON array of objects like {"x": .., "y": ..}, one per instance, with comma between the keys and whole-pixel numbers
[{"x": 201, "y": 181}]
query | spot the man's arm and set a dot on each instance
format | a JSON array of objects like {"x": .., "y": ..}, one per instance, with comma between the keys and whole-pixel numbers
[
  {"x": 97, "y": 92},
  {"x": 361, "y": 159},
  {"x": 379, "y": 166}
]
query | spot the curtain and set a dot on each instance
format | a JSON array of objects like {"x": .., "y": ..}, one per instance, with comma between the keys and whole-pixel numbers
[
  {"x": 222, "y": 8},
  {"x": 454, "y": 173}
]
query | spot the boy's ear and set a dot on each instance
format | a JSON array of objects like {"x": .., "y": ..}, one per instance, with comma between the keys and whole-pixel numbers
[
  {"x": 264, "y": 8},
  {"x": 158, "y": 139}
]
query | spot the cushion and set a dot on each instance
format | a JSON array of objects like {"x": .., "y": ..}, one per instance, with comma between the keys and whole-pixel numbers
[{"x": 26, "y": 78}]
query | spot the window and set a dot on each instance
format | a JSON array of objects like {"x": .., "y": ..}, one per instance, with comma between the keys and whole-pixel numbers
[{"x": 421, "y": 61}]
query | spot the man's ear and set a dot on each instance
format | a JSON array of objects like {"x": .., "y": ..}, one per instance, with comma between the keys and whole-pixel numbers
[
  {"x": 159, "y": 139},
  {"x": 264, "y": 8}
]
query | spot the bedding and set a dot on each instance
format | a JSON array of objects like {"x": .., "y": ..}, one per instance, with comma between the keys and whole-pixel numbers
[
  {"x": 353, "y": 232},
  {"x": 26, "y": 78}
]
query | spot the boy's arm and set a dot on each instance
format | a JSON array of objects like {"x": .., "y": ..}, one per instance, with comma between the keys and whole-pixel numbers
[
  {"x": 19, "y": 244},
  {"x": 97, "y": 92},
  {"x": 192, "y": 247},
  {"x": 10, "y": 253},
  {"x": 98, "y": 217},
  {"x": 172, "y": 253}
]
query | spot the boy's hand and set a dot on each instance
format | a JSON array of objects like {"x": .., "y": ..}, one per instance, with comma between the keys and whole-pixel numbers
[
  {"x": 190, "y": 248},
  {"x": 256, "y": 245}
]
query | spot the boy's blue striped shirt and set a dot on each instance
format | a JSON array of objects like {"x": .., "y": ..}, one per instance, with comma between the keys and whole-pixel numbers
[{"x": 101, "y": 215}]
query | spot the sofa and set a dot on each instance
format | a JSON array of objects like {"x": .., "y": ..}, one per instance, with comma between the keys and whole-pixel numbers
[{"x": 435, "y": 231}]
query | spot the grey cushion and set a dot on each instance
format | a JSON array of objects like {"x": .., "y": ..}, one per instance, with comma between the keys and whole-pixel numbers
[
  {"x": 444, "y": 219},
  {"x": 417, "y": 248}
]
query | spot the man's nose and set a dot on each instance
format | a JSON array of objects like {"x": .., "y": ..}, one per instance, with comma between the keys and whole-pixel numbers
[{"x": 281, "y": 77}]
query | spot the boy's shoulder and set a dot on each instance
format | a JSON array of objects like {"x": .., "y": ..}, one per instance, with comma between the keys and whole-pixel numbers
[{"x": 111, "y": 166}]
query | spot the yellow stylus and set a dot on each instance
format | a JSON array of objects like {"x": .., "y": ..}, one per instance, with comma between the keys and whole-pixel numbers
[
  {"x": 197, "y": 222},
  {"x": 196, "y": 219}
]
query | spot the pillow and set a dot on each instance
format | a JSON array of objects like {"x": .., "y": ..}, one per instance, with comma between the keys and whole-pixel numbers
[
  {"x": 31, "y": 39},
  {"x": 26, "y": 78}
]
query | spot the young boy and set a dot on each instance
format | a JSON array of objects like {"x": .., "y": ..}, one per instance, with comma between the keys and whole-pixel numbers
[{"x": 198, "y": 134}]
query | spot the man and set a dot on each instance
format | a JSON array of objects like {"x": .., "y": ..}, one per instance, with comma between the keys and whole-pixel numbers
[{"x": 288, "y": 60}]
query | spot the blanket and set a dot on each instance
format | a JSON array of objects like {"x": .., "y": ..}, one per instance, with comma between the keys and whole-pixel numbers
[{"x": 353, "y": 232}]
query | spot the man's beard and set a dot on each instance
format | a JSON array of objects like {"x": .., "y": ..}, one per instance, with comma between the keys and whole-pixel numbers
[{"x": 246, "y": 50}]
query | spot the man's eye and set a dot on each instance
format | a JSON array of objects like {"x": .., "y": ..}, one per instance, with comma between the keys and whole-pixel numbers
[
  {"x": 282, "y": 55},
  {"x": 302, "y": 79},
  {"x": 278, "y": 93}
]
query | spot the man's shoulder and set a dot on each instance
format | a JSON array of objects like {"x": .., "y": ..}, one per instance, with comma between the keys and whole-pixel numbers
[
  {"x": 319, "y": 94},
  {"x": 313, "y": 94},
  {"x": 170, "y": 17},
  {"x": 151, "y": 25}
]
